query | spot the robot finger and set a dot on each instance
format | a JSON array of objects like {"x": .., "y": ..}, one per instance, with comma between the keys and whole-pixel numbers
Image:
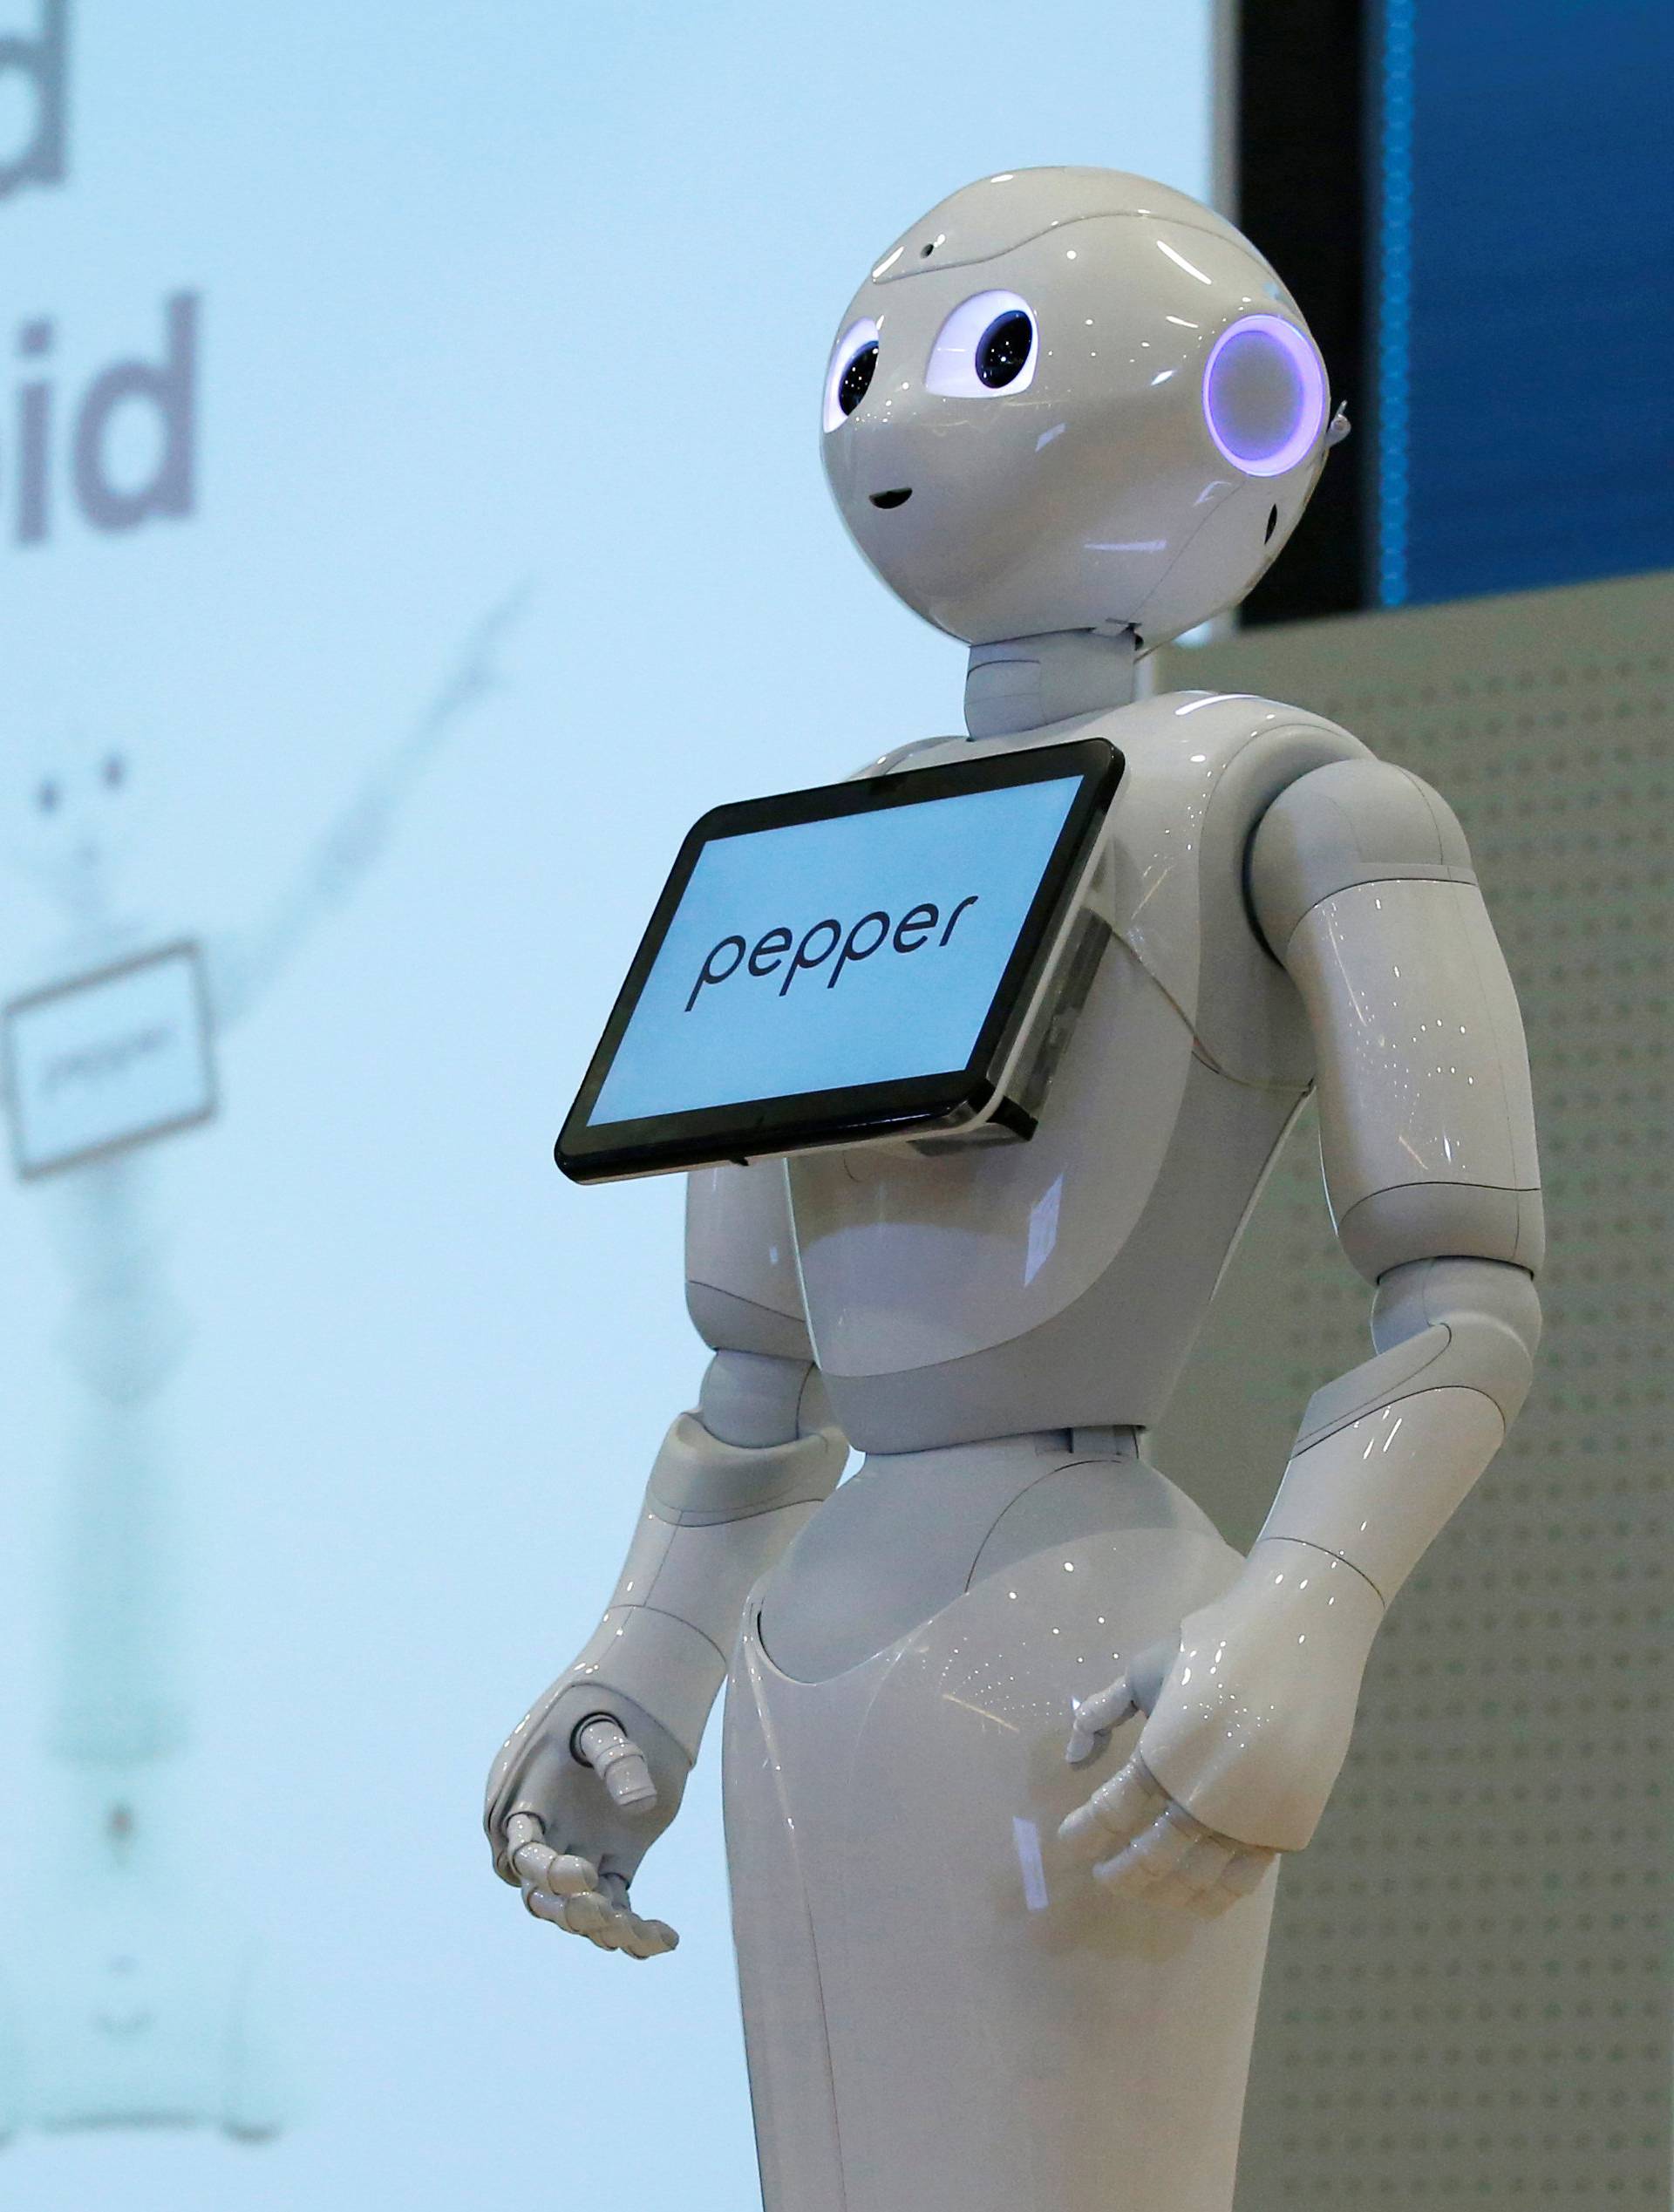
[
  {"x": 519, "y": 1830},
  {"x": 523, "y": 1857},
  {"x": 1154, "y": 1858},
  {"x": 1247, "y": 1870},
  {"x": 1127, "y": 1876},
  {"x": 522, "y": 1828},
  {"x": 1172, "y": 1890},
  {"x": 619, "y": 1763},
  {"x": 656, "y": 1935},
  {"x": 1118, "y": 1810},
  {"x": 1208, "y": 1860},
  {"x": 1092, "y": 1719},
  {"x": 631, "y": 1934},
  {"x": 646, "y": 1938},
  {"x": 560, "y": 1874},
  {"x": 591, "y": 1914},
  {"x": 1210, "y": 1904},
  {"x": 1202, "y": 1871},
  {"x": 1242, "y": 1873},
  {"x": 554, "y": 1910}
]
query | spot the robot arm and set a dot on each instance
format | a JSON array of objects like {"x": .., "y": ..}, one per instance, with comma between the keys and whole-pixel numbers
[
  {"x": 1361, "y": 883},
  {"x": 595, "y": 1772}
]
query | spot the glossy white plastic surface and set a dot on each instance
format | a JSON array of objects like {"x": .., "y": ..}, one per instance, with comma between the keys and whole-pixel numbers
[
  {"x": 910, "y": 1263},
  {"x": 1091, "y": 489},
  {"x": 741, "y": 1264},
  {"x": 1253, "y": 1721},
  {"x": 619, "y": 1763},
  {"x": 944, "y": 2007},
  {"x": 908, "y": 1260},
  {"x": 1376, "y": 1490},
  {"x": 1422, "y": 1077}
]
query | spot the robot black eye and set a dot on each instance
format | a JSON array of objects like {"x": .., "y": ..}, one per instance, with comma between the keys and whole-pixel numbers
[
  {"x": 47, "y": 796},
  {"x": 113, "y": 772},
  {"x": 856, "y": 379},
  {"x": 1003, "y": 349}
]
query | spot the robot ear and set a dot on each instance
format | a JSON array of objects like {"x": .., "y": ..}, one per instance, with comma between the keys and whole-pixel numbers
[{"x": 1264, "y": 396}]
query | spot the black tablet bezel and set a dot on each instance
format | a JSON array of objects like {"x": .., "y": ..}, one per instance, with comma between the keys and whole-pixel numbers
[{"x": 758, "y": 1128}]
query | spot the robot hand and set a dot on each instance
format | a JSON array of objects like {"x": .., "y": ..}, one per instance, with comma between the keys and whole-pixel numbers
[
  {"x": 582, "y": 1788},
  {"x": 1248, "y": 1724}
]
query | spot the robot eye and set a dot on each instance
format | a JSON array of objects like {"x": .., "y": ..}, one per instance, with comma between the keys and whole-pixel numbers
[
  {"x": 848, "y": 377},
  {"x": 986, "y": 346},
  {"x": 113, "y": 772},
  {"x": 47, "y": 796},
  {"x": 855, "y": 381},
  {"x": 1264, "y": 397},
  {"x": 1003, "y": 349}
]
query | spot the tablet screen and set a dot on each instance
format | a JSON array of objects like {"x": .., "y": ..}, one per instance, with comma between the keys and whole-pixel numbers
[{"x": 821, "y": 955}]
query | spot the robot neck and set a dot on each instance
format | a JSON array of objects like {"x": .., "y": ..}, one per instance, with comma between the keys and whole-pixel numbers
[{"x": 1023, "y": 684}]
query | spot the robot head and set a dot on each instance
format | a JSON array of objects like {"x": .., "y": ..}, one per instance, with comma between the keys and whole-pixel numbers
[{"x": 1069, "y": 397}]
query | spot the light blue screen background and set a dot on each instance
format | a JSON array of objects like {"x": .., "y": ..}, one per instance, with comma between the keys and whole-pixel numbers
[
  {"x": 884, "y": 1014},
  {"x": 493, "y": 296}
]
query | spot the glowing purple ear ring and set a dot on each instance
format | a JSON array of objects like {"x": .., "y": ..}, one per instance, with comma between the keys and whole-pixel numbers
[{"x": 1264, "y": 397}]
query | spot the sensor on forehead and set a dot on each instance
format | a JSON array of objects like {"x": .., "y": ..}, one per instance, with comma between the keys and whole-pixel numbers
[{"x": 894, "y": 960}]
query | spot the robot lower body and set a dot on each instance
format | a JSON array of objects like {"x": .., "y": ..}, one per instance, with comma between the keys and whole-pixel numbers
[{"x": 943, "y": 2012}]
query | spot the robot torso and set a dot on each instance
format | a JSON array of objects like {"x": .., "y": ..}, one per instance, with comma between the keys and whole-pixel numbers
[{"x": 1061, "y": 1282}]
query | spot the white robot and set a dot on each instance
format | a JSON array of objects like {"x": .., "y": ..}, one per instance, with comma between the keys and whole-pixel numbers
[{"x": 1069, "y": 414}]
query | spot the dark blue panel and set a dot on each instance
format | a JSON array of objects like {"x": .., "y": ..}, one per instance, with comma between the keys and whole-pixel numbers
[{"x": 1527, "y": 269}]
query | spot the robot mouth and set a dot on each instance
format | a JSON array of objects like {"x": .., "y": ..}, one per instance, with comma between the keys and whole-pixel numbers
[{"x": 893, "y": 499}]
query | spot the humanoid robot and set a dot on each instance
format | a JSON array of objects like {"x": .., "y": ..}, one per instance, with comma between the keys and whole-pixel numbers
[
  {"x": 1069, "y": 414},
  {"x": 130, "y": 2006}
]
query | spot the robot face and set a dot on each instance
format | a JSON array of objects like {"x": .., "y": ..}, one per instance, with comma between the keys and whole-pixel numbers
[{"x": 1070, "y": 397}]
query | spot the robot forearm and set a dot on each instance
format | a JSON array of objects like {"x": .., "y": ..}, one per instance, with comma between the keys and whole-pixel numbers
[
  {"x": 733, "y": 1484},
  {"x": 1387, "y": 1453}
]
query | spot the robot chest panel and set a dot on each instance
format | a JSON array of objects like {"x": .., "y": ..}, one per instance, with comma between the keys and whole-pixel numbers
[{"x": 909, "y": 1261}]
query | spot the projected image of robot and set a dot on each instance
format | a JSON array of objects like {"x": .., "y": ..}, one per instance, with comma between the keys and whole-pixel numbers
[
  {"x": 1014, "y": 1743},
  {"x": 127, "y": 2004}
]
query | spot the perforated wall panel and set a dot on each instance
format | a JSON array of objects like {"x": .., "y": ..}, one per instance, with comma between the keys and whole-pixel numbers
[{"x": 1469, "y": 2002}]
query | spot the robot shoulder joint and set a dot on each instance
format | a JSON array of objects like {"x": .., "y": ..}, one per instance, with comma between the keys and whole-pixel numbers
[{"x": 1349, "y": 823}]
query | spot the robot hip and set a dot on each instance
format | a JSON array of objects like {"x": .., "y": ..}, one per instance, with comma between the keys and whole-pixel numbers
[
  {"x": 941, "y": 2007},
  {"x": 912, "y": 1532}
]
